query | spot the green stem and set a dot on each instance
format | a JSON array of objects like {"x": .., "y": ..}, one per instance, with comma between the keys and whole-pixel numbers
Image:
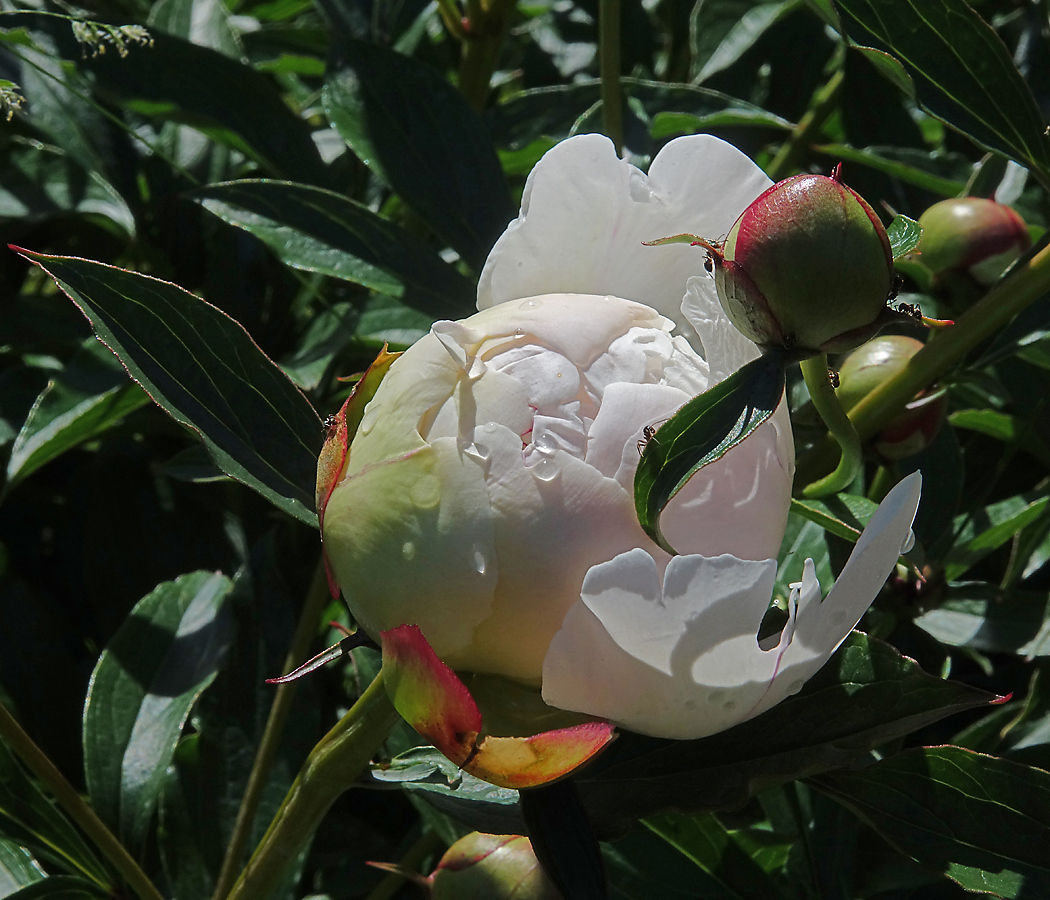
[
  {"x": 946, "y": 349},
  {"x": 453, "y": 21},
  {"x": 609, "y": 70},
  {"x": 881, "y": 483},
  {"x": 815, "y": 371},
  {"x": 331, "y": 768},
  {"x": 305, "y": 630},
  {"x": 809, "y": 125},
  {"x": 39, "y": 764},
  {"x": 487, "y": 24}
]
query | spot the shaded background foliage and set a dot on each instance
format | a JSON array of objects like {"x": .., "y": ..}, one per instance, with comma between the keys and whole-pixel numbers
[{"x": 312, "y": 169}]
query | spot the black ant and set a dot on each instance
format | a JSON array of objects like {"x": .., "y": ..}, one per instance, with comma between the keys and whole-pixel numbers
[{"x": 648, "y": 434}]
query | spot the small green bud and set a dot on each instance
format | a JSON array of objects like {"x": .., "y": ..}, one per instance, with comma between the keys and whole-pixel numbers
[
  {"x": 971, "y": 234},
  {"x": 808, "y": 266},
  {"x": 491, "y": 867},
  {"x": 869, "y": 366}
]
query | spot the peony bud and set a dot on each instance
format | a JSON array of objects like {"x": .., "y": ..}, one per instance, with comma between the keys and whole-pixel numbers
[
  {"x": 491, "y": 867},
  {"x": 807, "y": 265},
  {"x": 870, "y": 365},
  {"x": 971, "y": 233}
]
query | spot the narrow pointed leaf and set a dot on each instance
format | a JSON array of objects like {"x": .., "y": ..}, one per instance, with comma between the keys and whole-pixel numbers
[
  {"x": 904, "y": 234},
  {"x": 418, "y": 133},
  {"x": 142, "y": 691},
  {"x": 205, "y": 371},
  {"x": 962, "y": 71},
  {"x": 321, "y": 231},
  {"x": 980, "y": 820},
  {"x": 703, "y": 431}
]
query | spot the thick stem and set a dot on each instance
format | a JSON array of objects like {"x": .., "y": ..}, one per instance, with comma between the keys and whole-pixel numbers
[
  {"x": 487, "y": 24},
  {"x": 807, "y": 128},
  {"x": 108, "y": 845},
  {"x": 313, "y": 606},
  {"x": 609, "y": 69},
  {"x": 946, "y": 349},
  {"x": 331, "y": 768},
  {"x": 815, "y": 371}
]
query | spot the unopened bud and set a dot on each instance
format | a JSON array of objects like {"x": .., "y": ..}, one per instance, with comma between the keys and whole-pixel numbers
[
  {"x": 971, "y": 234},
  {"x": 869, "y": 366},
  {"x": 491, "y": 867},
  {"x": 808, "y": 266}
]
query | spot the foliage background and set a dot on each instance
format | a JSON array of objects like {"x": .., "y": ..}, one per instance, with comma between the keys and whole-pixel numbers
[{"x": 331, "y": 174}]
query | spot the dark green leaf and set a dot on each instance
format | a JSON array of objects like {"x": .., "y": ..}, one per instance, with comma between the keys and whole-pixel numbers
[
  {"x": 205, "y": 22},
  {"x": 90, "y": 395},
  {"x": 320, "y": 231},
  {"x": 979, "y": 533},
  {"x": 17, "y": 867},
  {"x": 979, "y": 616},
  {"x": 142, "y": 691},
  {"x": 674, "y": 108},
  {"x": 642, "y": 866},
  {"x": 707, "y": 843},
  {"x": 980, "y": 820},
  {"x": 962, "y": 71},
  {"x": 724, "y": 30},
  {"x": 904, "y": 234},
  {"x": 228, "y": 101},
  {"x": 1004, "y": 427},
  {"x": 909, "y": 166},
  {"x": 29, "y": 818},
  {"x": 867, "y": 694},
  {"x": 703, "y": 431},
  {"x": 564, "y": 841},
  {"x": 61, "y": 887},
  {"x": 417, "y": 132},
  {"x": 204, "y": 369},
  {"x": 844, "y": 515},
  {"x": 42, "y": 181}
]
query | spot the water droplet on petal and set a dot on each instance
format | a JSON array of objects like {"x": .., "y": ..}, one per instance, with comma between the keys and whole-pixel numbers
[
  {"x": 481, "y": 564},
  {"x": 408, "y": 550},
  {"x": 426, "y": 492},
  {"x": 546, "y": 470},
  {"x": 531, "y": 303}
]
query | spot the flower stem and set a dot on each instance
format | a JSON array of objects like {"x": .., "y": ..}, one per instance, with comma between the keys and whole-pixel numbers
[
  {"x": 487, "y": 24},
  {"x": 609, "y": 70},
  {"x": 316, "y": 596},
  {"x": 1028, "y": 282},
  {"x": 112, "y": 849},
  {"x": 803, "y": 133},
  {"x": 815, "y": 371},
  {"x": 331, "y": 768}
]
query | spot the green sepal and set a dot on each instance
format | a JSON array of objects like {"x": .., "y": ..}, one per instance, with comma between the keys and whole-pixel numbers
[{"x": 904, "y": 234}]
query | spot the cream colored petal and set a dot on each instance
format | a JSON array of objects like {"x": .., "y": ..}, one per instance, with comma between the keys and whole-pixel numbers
[
  {"x": 585, "y": 214},
  {"x": 679, "y": 660},
  {"x": 823, "y": 626}
]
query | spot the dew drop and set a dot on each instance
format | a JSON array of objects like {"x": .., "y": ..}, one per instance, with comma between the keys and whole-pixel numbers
[
  {"x": 408, "y": 550},
  {"x": 715, "y": 697},
  {"x": 690, "y": 704},
  {"x": 426, "y": 492},
  {"x": 729, "y": 705},
  {"x": 481, "y": 564},
  {"x": 531, "y": 303},
  {"x": 546, "y": 470}
]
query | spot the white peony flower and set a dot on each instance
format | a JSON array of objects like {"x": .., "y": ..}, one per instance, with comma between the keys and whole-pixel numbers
[{"x": 488, "y": 493}]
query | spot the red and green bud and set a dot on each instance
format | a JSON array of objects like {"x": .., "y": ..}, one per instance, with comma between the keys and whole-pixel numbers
[
  {"x": 971, "y": 234},
  {"x": 869, "y": 366},
  {"x": 491, "y": 867},
  {"x": 807, "y": 266}
]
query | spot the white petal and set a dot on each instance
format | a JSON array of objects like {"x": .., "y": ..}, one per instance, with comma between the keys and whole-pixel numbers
[
  {"x": 822, "y": 626},
  {"x": 679, "y": 662},
  {"x": 725, "y": 348},
  {"x": 585, "y": 213}
]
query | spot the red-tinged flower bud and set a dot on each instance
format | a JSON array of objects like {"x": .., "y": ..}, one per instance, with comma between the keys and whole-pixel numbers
[
  {"x": 971, "y": 234},
  {"x": 869, "y": 366},
  {"x": 491, "y": 867},
  {"x": 807, "y": 266}
]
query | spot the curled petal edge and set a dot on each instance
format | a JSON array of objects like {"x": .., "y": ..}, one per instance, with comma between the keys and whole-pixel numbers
[{"x": 438, "y": 705}]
